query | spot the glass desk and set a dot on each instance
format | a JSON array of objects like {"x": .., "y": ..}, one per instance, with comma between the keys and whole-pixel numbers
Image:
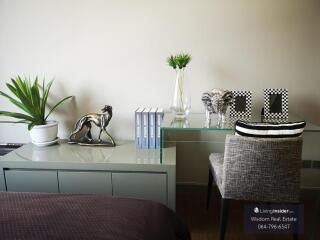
[
  {"x": 194, "y": 143},
  {"x": 181, "y": 131},
  {"x": 196, "y": 121}
]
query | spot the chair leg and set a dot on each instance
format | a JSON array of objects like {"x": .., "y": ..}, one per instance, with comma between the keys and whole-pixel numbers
[
  {"x": 210, "y": 181},
  {"x": 223, "y": 217},
  {"x": 316, "y": 217}
]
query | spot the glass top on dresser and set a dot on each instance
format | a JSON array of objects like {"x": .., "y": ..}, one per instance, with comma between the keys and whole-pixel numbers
[
  {"x": 196, "y": 121},
  {"x": 124, "y": 153}
]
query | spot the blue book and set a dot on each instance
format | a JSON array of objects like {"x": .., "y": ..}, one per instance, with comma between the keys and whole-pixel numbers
[
  {"x": 159, "y": 118},
  {"x": 152, "y": 128},
  {"x": 145, "y": 128},
  {"x": 138, "y": 127}
]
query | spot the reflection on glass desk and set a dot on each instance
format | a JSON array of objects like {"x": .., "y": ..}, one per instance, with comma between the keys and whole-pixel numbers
[
  {"x": 194, "y": 125},
  {"x": 196, "y": 121},
  {"x": 192, "y": 135}
]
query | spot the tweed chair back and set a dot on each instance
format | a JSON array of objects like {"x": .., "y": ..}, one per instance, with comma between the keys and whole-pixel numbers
[{"x": 262, "y": 169}]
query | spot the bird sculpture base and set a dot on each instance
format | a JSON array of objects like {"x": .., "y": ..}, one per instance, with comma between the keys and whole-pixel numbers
[{"x": 96, "y": 143}]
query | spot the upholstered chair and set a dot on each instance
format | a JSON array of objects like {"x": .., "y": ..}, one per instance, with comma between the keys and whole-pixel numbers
[{"x": 256, "y": 169}]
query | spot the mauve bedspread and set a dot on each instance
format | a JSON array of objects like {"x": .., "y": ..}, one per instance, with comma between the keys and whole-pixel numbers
[{"x": 61, "y": 216}]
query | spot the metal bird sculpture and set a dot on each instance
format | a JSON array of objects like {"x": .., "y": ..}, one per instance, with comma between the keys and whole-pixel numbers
[{"x": 100, "y": 120}]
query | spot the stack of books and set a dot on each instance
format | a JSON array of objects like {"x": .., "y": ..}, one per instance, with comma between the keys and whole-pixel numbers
[{"x": 147, "y": 127}]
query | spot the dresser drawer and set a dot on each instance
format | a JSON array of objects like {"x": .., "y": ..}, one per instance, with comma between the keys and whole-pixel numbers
[
  {"x": 150, "y": 186},
  {"x": 31, "y": 181},
  {"x": 85, "y": 182}
]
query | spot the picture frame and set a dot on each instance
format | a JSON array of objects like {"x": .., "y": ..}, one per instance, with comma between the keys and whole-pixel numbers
[
  {"x": 276, "y": 103},
  {"x": 241, "y": 107}
]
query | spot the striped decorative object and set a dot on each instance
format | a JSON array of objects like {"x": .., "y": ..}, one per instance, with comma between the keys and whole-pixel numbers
[{"x": 269, "y": 130}]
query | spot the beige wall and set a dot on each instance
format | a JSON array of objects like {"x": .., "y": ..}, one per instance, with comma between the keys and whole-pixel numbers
[{"x": 113, "y": 52}]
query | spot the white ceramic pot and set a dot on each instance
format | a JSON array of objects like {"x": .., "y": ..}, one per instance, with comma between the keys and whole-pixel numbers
[{"x": 44, "y": 133}]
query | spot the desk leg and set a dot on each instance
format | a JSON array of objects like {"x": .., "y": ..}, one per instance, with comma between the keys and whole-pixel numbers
[
  {"x": 2, "y": 181},
  {"x": 171, "y": 187}
]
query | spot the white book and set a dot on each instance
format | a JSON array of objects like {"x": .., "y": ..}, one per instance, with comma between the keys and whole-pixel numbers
[
  {"x": 159, "y": 118},
  {"x": 138, "y": 127},
  {"x": 145, "y": 128},
  {"x": 152, "y": 128}
]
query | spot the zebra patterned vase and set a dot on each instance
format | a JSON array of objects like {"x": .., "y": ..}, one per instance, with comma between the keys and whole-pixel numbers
[{"x": 216, "y": 101}]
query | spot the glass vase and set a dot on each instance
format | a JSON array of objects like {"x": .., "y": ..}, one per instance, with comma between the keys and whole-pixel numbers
[{"x": 178, "y": 104}]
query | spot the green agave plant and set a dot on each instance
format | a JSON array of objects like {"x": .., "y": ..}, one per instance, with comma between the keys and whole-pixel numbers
[
  {"x": 180, "y": 60},
  {"x": 29, "y": 99}
]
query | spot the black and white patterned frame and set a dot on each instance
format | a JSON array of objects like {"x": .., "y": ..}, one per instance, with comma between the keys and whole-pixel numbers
[
  {"x": 248, "y": 108},
  {"x": 285, "y": 104}
]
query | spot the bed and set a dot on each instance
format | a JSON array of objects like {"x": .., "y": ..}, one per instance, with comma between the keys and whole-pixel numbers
[{"x": 63, "y": 216}]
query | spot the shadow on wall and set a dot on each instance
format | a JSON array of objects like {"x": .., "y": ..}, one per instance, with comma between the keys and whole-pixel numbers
[
  {"x": 308, "y": 108},
  {"x": 225, "y": 75},
  {"x": 68, "y": 113},
  {"x": 73, "y": 111}
]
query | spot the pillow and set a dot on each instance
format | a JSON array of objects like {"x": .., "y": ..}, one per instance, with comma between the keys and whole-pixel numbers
[{"x": 269, "y": 130}]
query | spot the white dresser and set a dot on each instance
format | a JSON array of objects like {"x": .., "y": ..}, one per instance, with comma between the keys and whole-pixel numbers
[{"x": 122, "y": 171}]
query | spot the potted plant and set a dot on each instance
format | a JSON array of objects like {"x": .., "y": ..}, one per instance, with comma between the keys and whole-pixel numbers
[
  {"x": 179, "y": 105},
  {"x": 32, "y": 98}
]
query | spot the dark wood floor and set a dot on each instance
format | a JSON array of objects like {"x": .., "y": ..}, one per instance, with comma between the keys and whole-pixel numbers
[{"x": 203, "y": 224}]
